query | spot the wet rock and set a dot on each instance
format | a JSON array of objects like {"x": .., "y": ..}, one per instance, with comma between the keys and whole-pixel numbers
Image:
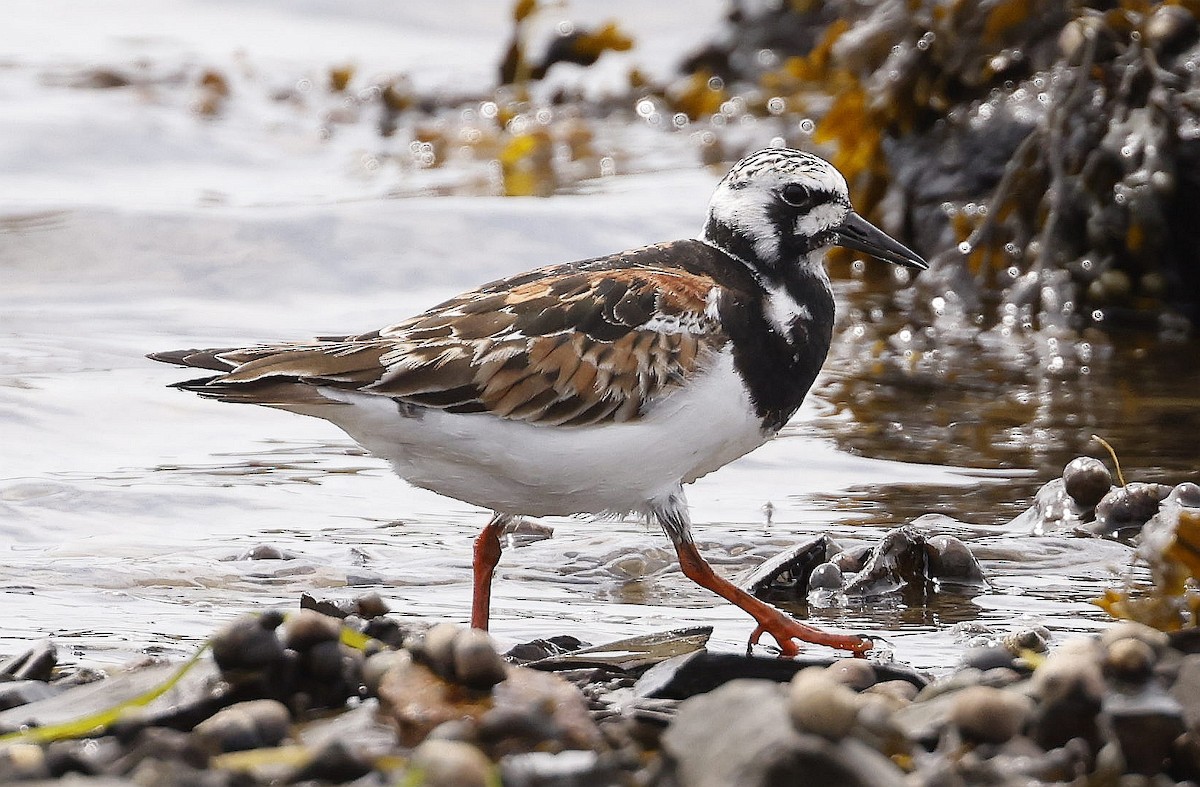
[
  {"x": 475, "y": 660},
  {"x": 442, "y": 763},
  {"x": 1123, "y": 511},
  {"x": 416, "y": 700},
  {"x": 1146, "y": 725},
  {"x": 23, "y": 692},
  {"x": 700, "y": 672},
  {"x": 248, "y": 643},
  {"x": 334, "y": 608},
  {"x": 247, "y": 725},
  {"x": 1069, "y": 689},
  {"x": 739, "y": 734},
  {"x": 988, "y": 657},
  {"x": 1030, "y": 639},
  {"x": 539, "y": 649},
  {"x": 89, "y": 758},
  {"x": 986, "y": 715},
  {"x": 371, "y": 605},
  {"x": 899, "y": 692},
  {"x": 900, "y": 562},
  {"x": 953, "y": 565},
  {"x": 858, "y": 674},
  {"x": 1129, "y": 660},
  {"x": 306, "y": 629},
  {"x": 785, "y": 576},
  {"x": 161, "y": 743},
  {"x": 851, "y": 560},
  {"x": 1052, "y": 509},
  {"x": 826, "y": 576},
  {"x": 820, "y": 704},
  {"x": 1086, "y": 480},
  {"x": 266, "y": 552},
  {"x": 37, "y": 663},
  {"x": 631, "y": 655},
  {"x": 335, "y": 762},
  {"x": 436, "y": 649},
  {"x": 377, "y": 666}
]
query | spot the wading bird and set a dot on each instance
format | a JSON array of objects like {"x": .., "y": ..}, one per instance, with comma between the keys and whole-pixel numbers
[{"x": 595, "y": 387}]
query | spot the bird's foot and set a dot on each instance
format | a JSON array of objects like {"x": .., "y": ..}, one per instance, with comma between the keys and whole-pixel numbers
[{"x": 788, "y": 633}]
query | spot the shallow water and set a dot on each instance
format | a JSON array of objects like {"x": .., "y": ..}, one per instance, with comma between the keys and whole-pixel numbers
[{"x": 126, "y": 508}]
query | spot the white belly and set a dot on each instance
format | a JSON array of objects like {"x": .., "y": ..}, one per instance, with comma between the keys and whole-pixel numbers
[{"x": 520, "y": 468}]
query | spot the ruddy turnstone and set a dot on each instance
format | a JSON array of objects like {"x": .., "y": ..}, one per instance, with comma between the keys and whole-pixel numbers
[{"x": 600, "y": 386}]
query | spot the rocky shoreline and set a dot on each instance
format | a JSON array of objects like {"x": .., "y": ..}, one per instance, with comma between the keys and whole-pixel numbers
[{"x": 307, "y": 698}]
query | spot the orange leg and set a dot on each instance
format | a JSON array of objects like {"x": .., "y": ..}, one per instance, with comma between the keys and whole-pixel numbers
[
  {"x": 785, "y": 629},
  {"x": 487, "y": 555},
  {"x": 671, "y": 513}
]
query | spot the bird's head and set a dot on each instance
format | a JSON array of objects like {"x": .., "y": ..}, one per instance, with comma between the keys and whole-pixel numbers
[{"x": 779, "y": 208}]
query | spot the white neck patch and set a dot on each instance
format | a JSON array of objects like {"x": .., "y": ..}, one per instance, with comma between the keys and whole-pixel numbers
[{"x": 745, "y": 212}]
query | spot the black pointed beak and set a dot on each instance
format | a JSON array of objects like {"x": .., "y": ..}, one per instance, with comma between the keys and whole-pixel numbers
[{"x": 861, "y": 235}]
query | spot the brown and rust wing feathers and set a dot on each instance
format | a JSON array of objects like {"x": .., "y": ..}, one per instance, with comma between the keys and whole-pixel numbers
[{"x": 566, "y": 346}]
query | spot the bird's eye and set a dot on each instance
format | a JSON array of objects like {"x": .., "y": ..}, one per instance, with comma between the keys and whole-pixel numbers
[{"x": 797, "y": 196}]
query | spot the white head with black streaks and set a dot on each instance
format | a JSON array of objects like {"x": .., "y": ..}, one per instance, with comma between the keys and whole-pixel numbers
[{"x": 776, "y": 207}]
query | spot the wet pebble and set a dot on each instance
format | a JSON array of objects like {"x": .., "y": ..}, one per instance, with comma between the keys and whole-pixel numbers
[
  {"x": 826, "y": 576},
  {"x": 307, "y": 629},
  {"x": 335, "y": 763},
  {"x": 986, "y": 657},
  {"x": 371, "y": 605},
  {"x": 858, "y": 674},
  {"x": 1069, "y": 689},
  {"x": 1126, "y": 509},
  {"x": 247, "y": 725},
  {"x": 447, "y": 763},
  {"x": 1146, "y": 726},
  {"x": 476, "y": 663},
  {"x": 820, "y": 704},
  {"x": 36, "y": 663},
  {"x": 987, "y": 715},
  {"x": 436, "y": 649},
  {"x": 951, "y": 562},
  {"x": 249, "y": 642},
  {"x": 23, "y": 762},
  {"x": 1087, "y": 480},
  {"x": 1129, "y": 659},
  {"x": 851, "y": 560}
]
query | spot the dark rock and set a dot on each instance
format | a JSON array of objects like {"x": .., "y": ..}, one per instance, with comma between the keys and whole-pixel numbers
[
  {"x": 898, "y": 564},
  {"x": 1086, "y": 480},
  {"x": 266, "y": 552},
  {"x": 1052, "y": 509},
  {"x": 953, "y": 565},
  {"x": 700, "y": 672},
  {"x": 739, "y": 734},
  {"x": 388, "y": 631},
  {"x": 785, "y": 576},
  {"x": 254, "y": 724},
  {"x": 442, "y": 763},
  {"x": 826, "y": 576},
  {"x": 1030, "y": 639},
  {"x": 539, "y": 649},
  {"x": 1123, "y": 511},
  {"x": 37, "y": 663},
  {"x": 371, "y": 605},
  {"x": 162, "y": 743},
  {"x": 476, "y": 662},
  {"x": 248, "y": 643},
  {"x": 307, "y": 628},
  {"x": 88, "y": 758},
  {"x": 1185, "y": 495},
  {"x": 987, "y": 657},
  {"x": 1069, "y": 688},
  {"x": 334, "y": 608},
  {"x": 986, "y": 715},
  {"x": 851, "y": 560},
  {"x": 23, "y": 692},
  {"x": 334, "y": 762},
  {"x": 1146, "y": 725}
]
